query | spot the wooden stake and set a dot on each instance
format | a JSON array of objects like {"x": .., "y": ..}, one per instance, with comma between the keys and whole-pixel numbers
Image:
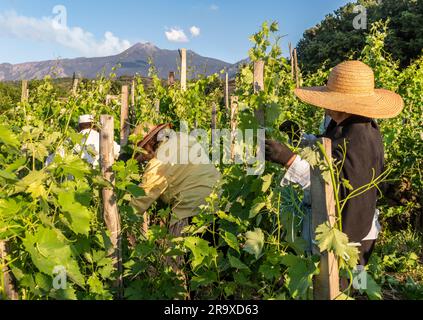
[
  {"x": 258, "y": 76},
  {"x": 259, "y": 86},
  {"x": 291, "y": 59},
  {"x": 297, "y": 70},
  {"x": 214, "y": 116},
  {"x": 132, "y": 113},
  {"x": 7, "y": 280},
  {"x": 75, "y": 86},
  {"x": 111, "y": 214},
  {"x": 326, "y": 284},
  {"x": 133, "y": 93},
  {"x": 183, "y": 69},
  {"x": 171, "y": 78},
  {"x": 157, "y": 106},
  {"x": 234, "y": 112},
  {"x": 124, "y": 117},
  {"x": 25, "y": 91},
  {"x": 227, "y": 92}
]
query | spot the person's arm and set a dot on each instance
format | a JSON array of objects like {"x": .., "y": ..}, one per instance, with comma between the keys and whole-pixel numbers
[
  {"x": 154, "y": 183},
  {"x": 298, "y": 169},
  {"x": 299, "y": 173}
]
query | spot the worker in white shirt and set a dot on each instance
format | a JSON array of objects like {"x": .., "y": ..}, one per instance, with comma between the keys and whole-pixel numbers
[{"x": 90, "y": 150}]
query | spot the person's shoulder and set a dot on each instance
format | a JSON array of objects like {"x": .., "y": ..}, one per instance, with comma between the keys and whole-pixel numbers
[
  {"x": 360, "y": 126},
  {"x": 363, "y": 132},
  {"x": 90, "y": 132}
]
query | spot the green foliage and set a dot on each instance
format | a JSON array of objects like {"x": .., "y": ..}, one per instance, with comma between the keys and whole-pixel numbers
[{"x": 335, "y": 39}]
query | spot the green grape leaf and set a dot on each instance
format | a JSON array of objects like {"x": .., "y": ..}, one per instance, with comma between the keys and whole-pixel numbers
[
  {"x": 231, "y": 240},
  {"x": 74, "y": 166},
  {"x": 255, "y": 209},
  {"x": 237, "y": 263},
  {"x": 7, "y": 175},
  {"x": 300, "y": 274},
  {"x": 8, "y": 137},
  {"x": 270, "y": 272},
  {"x": 49, "y": 249},
  {"x": 311, "y": 156},
  {"x": 77, "y": 215},
  {"x": 255, "y": 242},
  {"x": 33, "y": 184},
  {"x": 373, "y": 290},
  {"x": 135, "y": 190},
  {"x": 267, "y": 181},
  {"x": 199, "y": 248},
  {"x": 64, "y": 294},
  {"x": 331, "y": 239},
  {"x": 96, "y": 286}
]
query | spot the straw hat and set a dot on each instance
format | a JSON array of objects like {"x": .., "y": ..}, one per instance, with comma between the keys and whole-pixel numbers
[
  {"x": 86, "y": 118},
  {"x": 351, "y": 89},
  {"x": 148, "y": 131}
]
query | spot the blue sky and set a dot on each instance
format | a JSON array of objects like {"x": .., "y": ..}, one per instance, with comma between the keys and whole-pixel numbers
[{"x": 30, "y": 31}]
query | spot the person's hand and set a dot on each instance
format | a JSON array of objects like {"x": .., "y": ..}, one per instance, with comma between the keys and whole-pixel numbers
[
  {"x": 124, "y": 157},
  {"x": 292, "y": 129},
  {"x": 278, "y": 153}
]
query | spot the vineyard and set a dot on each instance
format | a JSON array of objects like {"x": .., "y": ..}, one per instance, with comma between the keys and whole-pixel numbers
[{"x": 246, "y": 242}]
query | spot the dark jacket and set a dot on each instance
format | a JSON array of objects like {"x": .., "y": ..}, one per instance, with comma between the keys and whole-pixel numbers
[{"x": 364, "y": 153}]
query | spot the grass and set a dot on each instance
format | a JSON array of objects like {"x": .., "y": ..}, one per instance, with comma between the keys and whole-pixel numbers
[{"x": 397, "y": 264}]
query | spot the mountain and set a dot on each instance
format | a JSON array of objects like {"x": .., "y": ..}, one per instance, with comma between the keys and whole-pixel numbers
[{"x": 132, "y": 61}]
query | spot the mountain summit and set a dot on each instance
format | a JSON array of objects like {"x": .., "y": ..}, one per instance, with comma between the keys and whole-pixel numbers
[{"x": 132, "y": 61}]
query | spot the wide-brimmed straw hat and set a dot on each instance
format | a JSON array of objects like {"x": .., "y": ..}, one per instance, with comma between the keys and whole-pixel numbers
[
  {"x": 351, "y": 89},
  {"x": 148, "y": 131}
]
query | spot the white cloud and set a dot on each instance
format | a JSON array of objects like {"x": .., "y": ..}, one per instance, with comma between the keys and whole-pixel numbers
[
  {"x": 195, "y": 31},
  {"x": 214, "y": 7},
  {"x": 176, "y": 35},
  {"x": 48, "y": 29}
]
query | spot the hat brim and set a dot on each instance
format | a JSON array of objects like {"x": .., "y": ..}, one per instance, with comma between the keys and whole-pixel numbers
[
  {"x": 152, "y": 134},
  {"x": 383, "y": 104}
]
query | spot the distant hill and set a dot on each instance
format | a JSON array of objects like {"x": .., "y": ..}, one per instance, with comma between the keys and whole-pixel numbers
[{"x": 132, "y": 61}]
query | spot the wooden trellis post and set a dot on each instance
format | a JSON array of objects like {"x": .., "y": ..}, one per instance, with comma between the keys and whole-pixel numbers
[
  {"x": 171, "y": 78},
  {"x": 326, "y": 284},
  {"x": 25, "y": 91},
  {"x": 157, "y": 106},
  {"x": 124, "y": 117},
  {"x": 133, "y": 93},
  {"x": 183, "y": 53},
  {"x": 297, "y": 70},
  {"x": 75, "y": 86},
  {"x": 214, "y": 116},
  {"x": 132, "y": 107},
  {"x": 110, "y": 213},
  {"x": 291, "y": 58},
  {"x": 227, "y": 92},
  {"x": 234, "y": 111},
  {"x": 7, "y": 280},
  {"x": 259, "y": 86}
]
